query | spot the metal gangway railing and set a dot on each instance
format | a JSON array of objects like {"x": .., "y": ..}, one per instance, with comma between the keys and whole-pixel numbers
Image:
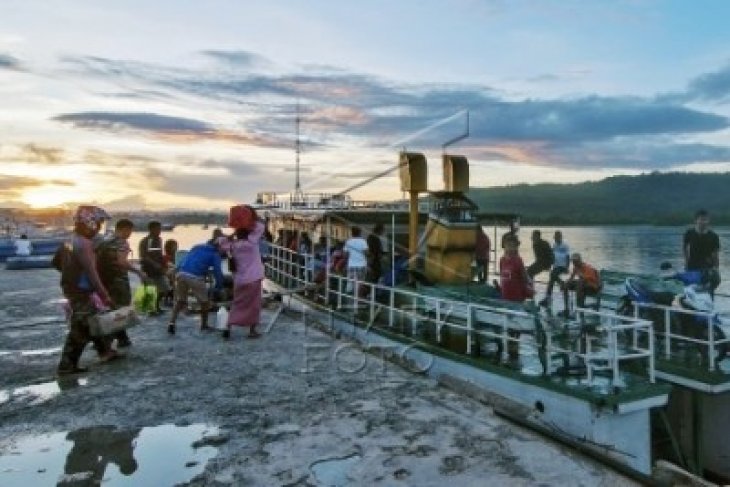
[
  {"x": 604, "y": 341},
  {"x": 680, "y": 330}
]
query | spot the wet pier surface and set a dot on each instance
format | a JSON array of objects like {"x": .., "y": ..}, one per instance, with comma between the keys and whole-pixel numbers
[{"x": 295, "y": 407}]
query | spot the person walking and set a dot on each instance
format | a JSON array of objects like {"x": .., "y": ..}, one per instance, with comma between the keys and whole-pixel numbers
[
  {"x": 561, "y": 261},
  {"x": 153, "y": 261},
  {"x": 79, "y": 281},
  {"x": 114, "y": 267},
  {"x": 701, "y": 248},
  {"x": 244, "y": 249}
]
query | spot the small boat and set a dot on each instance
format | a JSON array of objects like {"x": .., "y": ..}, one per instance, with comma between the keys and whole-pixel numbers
[
  {"x": 40, "y": 246},
  {"x": 205, "y": 227},
  {"x": 168, "y": 227},
  {"x": 21, "y": 262}
]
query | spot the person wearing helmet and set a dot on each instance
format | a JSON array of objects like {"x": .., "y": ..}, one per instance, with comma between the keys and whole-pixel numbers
[{"x": 79, "y": 281}]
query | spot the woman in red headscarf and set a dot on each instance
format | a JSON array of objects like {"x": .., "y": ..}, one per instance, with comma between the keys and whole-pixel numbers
[{"x": 248, "y": 274}]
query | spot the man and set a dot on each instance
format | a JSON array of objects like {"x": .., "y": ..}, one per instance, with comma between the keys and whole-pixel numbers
[
  {"x": 79, "y": 280},
  {"x": 561, "y": 261},
  {"x": 356, "y": 253},
  {"x": 543, "y": 255},
  {"x": 190, "y": 277},
  {"x": 481, "y": 254},
  {"x": 375, "y": 253},
  {"x": 702, "y": 249},
  {"x": 584, "y": 280},
  {"x": 153, "y": 263},
  {"x": 23, "y": 247},
  {"x": 114, "y": 269}
]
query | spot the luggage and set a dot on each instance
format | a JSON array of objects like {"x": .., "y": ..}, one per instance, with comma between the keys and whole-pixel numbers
[
  {"x": 145, "y": 299},
  {"x": 242, "y": 217},
  {"x": 113, "y": 321}
]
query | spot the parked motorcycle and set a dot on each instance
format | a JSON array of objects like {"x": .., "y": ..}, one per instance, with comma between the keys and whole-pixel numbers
[{"x": 689, "y": 291}]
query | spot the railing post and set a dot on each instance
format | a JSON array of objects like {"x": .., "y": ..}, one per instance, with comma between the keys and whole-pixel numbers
[
  {"x": 469, "y": 324},
  {"x": 372, "y": 304},
  {"x": 339, "y": 292},
  {"x": 667, "y": 334},
  {"x": 652, "y": 378},
  {"x": 711, "y": 343},
  {"x": 391, "y": 310}
]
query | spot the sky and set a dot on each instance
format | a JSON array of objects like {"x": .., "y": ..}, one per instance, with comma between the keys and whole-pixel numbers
[{"x": 192, "y": 104}]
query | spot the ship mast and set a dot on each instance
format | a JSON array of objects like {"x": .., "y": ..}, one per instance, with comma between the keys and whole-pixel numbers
[{"x": 298, "y": 196}]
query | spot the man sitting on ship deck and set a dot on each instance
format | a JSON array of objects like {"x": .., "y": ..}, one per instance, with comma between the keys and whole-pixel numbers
[{"x": 584, "y": 280}]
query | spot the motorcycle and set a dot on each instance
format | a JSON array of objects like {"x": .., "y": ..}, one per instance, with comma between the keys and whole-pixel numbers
[{"x": 687, "y": 291}]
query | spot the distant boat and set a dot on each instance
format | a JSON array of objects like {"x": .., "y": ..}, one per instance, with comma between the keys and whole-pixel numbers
[
  {"x": 168, "y": 227},
  {"x": 205, "y": 227},
  {"x": 40, "y": 246},
  {"x": 28, "y": 262}
]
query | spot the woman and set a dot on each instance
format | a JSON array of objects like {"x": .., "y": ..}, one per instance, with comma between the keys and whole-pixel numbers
[{"x": 243, "y": 247}]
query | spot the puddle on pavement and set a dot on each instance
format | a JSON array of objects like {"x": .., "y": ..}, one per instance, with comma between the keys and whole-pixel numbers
[
  {"x": 159, "y": 455},
  {"x": 33, "y": 352},
  {"x": 332, "y": 472},
  {"x": 35, "y": 394},
  {"x": 40, "y": 351}
]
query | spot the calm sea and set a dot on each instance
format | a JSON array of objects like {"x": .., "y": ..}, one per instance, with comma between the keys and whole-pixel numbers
[{"x": 630, "y": 248}]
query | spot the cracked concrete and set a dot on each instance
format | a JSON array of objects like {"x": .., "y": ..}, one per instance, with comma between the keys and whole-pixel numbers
[{"x": 277, "y": 415}]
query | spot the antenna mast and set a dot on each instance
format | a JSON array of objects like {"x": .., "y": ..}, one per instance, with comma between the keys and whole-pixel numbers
[{"x": 298, "y": 195}]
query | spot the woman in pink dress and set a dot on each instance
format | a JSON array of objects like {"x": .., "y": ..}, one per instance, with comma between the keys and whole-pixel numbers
[{"x": 247, "y": 277}]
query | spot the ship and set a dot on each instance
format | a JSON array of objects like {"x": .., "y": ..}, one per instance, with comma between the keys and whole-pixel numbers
[
  {"x": 588, "y": 381},
  {"x": 616, "y": 386}
]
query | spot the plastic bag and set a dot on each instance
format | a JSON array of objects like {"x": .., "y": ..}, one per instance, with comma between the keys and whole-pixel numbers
[
  {"x": 221, "y": 319},
  {"x": 109, "y": 322},
  {"x": 144, "y": 299}
]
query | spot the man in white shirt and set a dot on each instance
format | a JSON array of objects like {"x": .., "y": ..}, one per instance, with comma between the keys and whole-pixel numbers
[
  {"x": 356, "y": 251},
  {"x": 23, "y": 247},
  {"x": 561, "y": 252}
]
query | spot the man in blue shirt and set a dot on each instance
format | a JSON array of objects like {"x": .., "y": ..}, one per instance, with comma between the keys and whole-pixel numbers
[{"x": 190, "y": 278}]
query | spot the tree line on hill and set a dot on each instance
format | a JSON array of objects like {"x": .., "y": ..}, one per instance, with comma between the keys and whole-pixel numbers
[{"x": 654, "y": 198}]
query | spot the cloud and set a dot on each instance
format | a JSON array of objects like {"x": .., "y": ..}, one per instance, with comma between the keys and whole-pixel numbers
[
  {"x": 36, "y": 153},
  {"x": 711, "y": 86},
  {"x": 136, "y": 121},
  {"x": 342, "y": 108},
  {"x": 239, "y": 58},
  {"x": 171, "y": 129},
  {"x": 9, "y": 62},
  {"x": 13, "y": 186}
]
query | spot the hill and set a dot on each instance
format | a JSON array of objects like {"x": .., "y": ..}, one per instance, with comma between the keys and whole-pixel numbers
[{"x": 655, "y": 198}]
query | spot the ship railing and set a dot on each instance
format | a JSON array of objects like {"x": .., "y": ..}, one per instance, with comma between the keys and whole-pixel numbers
[
  {"x": 683, "y": 331},
  {"x": 602, "y": 341}
]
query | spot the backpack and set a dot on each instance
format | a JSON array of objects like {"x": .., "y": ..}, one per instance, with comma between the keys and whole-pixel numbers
[
  {"x": 61, "y": 256},
  {"x": 106, "y": 260}
]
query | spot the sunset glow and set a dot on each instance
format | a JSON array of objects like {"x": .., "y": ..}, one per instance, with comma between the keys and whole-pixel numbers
[{"x": 135, "y": 108}]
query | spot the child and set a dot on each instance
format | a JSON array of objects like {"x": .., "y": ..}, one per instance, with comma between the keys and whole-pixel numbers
[{"x": 168, "y": 260}]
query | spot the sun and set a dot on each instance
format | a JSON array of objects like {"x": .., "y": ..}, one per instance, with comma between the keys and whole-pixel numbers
[{"x": 47, "y": 196}]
